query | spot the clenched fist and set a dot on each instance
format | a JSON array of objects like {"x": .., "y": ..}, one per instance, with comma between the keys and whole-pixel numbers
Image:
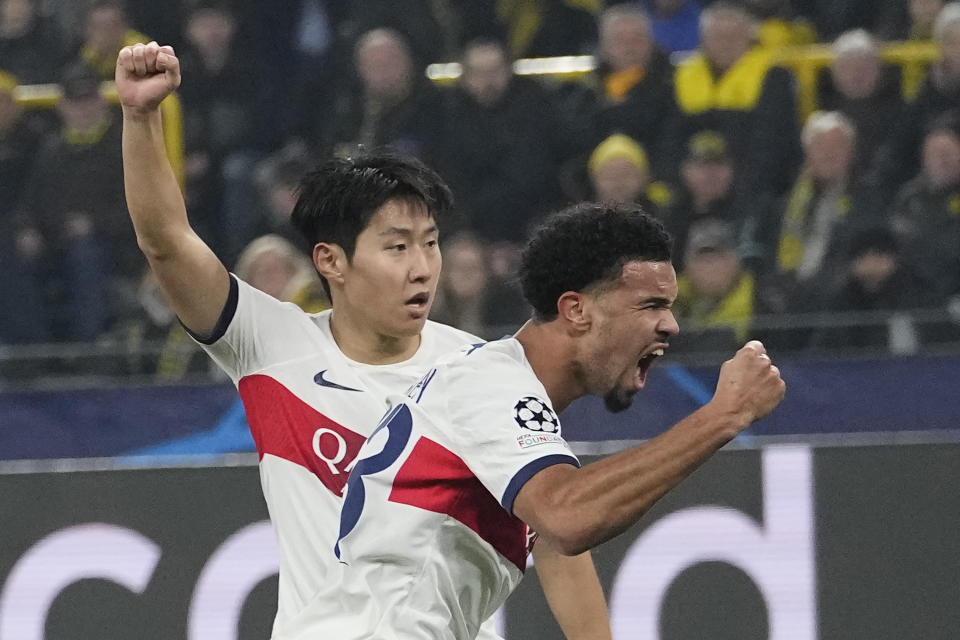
[
  {"x": 750, "y": 385},
  {"x": 146, "y": 74}
]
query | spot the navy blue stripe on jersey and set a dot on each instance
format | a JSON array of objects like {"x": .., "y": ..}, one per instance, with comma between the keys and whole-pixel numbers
[
  {"x": 529, "y": 470},
  {"x": 226, "y": 316},
  {"x": 398, "y": 423}
]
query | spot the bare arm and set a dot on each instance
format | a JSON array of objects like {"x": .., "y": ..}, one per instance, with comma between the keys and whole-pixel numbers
[
  {"x": 194, "y": 280},
  {"x": 573, "y": 592},
  {"x": 577, "y": 509}
]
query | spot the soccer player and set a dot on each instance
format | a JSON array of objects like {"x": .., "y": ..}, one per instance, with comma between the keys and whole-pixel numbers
[
  {"x": 314, "y": 386},
  {"x": 477, "y": 440}
]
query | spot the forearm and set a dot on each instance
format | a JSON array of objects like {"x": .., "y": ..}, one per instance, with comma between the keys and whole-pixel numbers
[
  {"x": 195, "y": 282},
  {"x": 588, "y": 506},
  {"x": 573, "y": 592},
  {"x": 154, "y": 200}
]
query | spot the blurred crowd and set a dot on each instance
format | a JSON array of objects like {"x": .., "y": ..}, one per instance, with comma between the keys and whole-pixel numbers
[{"x": 855, "y": 208}]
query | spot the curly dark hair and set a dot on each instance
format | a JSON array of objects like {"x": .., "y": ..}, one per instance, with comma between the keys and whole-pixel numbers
[
  {"x": 585, "y": 245},
  {"x": 338, "y": 199}
]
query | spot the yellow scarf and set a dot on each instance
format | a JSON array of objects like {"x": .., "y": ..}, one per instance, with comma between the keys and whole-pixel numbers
[
  {"x": 734, "y": 310},
  {"x": 791, "y": 246},
  {"x": 619, "y": 83},
  {"x": 738, "y": 89}
]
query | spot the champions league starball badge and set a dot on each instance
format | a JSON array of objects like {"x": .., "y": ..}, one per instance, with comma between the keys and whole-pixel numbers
[{"x": 534, "y": 414}]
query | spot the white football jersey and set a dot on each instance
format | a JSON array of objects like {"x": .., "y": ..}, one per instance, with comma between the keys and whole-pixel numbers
[
  {"x": 428, "y": 543},
  {"x": 310, "y": 408}
]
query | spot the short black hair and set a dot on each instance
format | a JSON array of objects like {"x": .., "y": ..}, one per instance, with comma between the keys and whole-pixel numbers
[
  {"x": 337, "y": 199},
  {"x": 584, "y": 245}
]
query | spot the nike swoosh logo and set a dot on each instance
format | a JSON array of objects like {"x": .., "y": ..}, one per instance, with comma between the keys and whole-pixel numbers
[{"x": 323, "y": 382}]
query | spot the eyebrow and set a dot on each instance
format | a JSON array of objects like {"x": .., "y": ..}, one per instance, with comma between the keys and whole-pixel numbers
[
  {"x": 657, "y": 300},
  {"x": 400, "y": 231}
]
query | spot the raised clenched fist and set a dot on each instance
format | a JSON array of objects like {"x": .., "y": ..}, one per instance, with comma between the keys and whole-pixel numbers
[
  {"x": 146, "y": 74},
  {"x": 750, "y": 384}
]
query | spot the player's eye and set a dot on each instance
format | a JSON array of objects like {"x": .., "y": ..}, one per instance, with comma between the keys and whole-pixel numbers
[
  {"x": 432, "y": 243},
  {"x": 398, "y": 247}
]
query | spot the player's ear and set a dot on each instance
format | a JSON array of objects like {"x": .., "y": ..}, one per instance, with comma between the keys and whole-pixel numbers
[
  {"x": 329, "y": 260},
  {"x": 573, "y": 308}
]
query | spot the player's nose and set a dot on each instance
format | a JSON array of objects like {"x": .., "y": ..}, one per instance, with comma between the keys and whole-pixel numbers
[{"x": 420, "y": 270}]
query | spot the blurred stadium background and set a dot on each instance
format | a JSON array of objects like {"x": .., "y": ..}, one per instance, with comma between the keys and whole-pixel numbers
[{"x": 804, "y": 153}]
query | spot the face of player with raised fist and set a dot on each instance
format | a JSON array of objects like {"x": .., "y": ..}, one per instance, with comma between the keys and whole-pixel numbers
[
  {"x": 633, "y": 323},
  {"x": 391, "y": 279}
]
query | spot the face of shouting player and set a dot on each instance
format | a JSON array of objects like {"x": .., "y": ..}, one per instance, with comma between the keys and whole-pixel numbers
[
  {"x": 389, "y": 283},
  {"x": 632, "y": 325}
]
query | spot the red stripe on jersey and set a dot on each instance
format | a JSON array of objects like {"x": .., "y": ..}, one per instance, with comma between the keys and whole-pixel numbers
[
  {"x": 285, "y": 426},
  {"x": 435, "y": 479}
]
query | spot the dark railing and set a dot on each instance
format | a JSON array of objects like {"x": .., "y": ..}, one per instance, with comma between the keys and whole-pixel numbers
[{"x": 900, "y": 333}]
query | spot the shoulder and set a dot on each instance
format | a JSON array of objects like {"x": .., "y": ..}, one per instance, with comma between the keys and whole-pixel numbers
[{"x": 447, "y": 338}]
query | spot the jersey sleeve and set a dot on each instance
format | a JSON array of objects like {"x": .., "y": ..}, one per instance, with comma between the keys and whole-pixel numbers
[
  {"x": 504, "y": 428},
  {"x": 254, "y": 331}
]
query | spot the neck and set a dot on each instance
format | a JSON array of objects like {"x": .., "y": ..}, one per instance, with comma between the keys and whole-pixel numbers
[
  {"x": 361, "y": 343},
  {"x": 545, "y": 345}
]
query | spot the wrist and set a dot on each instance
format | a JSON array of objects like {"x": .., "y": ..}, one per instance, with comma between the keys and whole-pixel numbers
[
  {"x": 139, "y": 114},
  {"x": 727, "y": 421}
]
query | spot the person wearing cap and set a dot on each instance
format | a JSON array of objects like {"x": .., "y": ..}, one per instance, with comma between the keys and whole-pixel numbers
[
  {"x": 716, "y": 299},
  {"x": 926, "y": 210},
  {"x": 706, "y": 189},
  {"x": 620, "y": 173}
]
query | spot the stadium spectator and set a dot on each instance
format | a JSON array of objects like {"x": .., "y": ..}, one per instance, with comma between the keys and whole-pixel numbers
[
  {"x": 874, "y": 278},
  {"x": 31, "y": 45},
  {"x": 436, "y": 31},
  {"x": 631, "y": 90},
  {"x": 731, "y": 86},
  {"x": 824, "y": 210},
  {"x": 620, "y": 174},
  {"x": 499, "y": 151},
  {"x": 926, "y": 211},
  {"x": 716, "y": 294},
  {"x": 469, "y": 297},
  {"x": 106, "y": 30},
  {"x": 20, "y": 247},
  {"x": 389, "y": 104},
  {"x": 675, "y": 23},
  {"x": 20, "y": 137},
  {"x": 707, "y": 177},
  {"x": 536, "y": 28},
  {"x": 861, "y": 87},
  {"x": 911, "y": 20},
  {"x": 277, "y": 178},
  {"x": 155, "y": 344},
  {"x": 73, "y": 203},
  {"x": 230, "y": 112},
  {"x": 275, "y": 266},
  {"x": 778, "y": 26},
  {"x": 899, "y": 159}
]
